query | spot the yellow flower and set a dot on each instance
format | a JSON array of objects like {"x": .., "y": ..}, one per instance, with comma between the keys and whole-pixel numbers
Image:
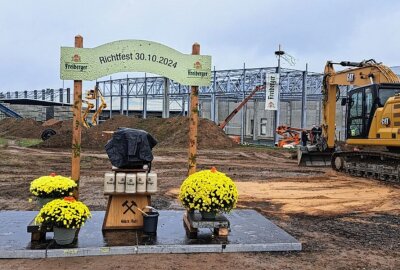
[
  {"x": 208, "y": 190},
  {"x": 63, "y": 213},
  {"x": 52, "y": 186}
]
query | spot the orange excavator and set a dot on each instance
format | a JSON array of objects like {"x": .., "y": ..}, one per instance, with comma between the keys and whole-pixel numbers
[{"x": 290, "y": 136}]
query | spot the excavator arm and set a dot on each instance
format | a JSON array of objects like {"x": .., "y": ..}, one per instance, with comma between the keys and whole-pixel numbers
[
  {"x": 89, "y": 107},
  {"x": 102, "y": 106}
]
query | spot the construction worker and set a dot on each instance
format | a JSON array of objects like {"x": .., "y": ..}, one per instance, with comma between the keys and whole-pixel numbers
[
  {"x": 313, "y": 134},
  {"x": 304, "y": 138}
]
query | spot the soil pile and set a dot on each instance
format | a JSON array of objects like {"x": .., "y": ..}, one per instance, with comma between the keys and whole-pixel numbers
[
  {"x": 21, "y": 128},
  {"x": 171, "y": 132}
]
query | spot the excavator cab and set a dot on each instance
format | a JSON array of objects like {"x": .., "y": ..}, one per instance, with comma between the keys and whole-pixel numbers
[{"x": 362, "y": 103}]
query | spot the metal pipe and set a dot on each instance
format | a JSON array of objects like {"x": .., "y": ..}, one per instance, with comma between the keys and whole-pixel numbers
[
  {"x": 255, "y": 123},
  {"x": 304, "y": 99},
  {"x": 243, "y": 115},
  {"x": 127, "y": 95},
  {"x": 121, "y": 100},
  {"x": 279, "y": 53},
  {"x": 111, "y": 96},
  {"x": 213, "y": 98},
  {"x": 144, "y": 113},
  {"x": 165, "y": 109}
]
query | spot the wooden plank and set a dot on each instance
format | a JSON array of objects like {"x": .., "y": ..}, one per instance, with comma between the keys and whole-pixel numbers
[
  {"x": 190, "y": 231},
  {"x": 128, "y": 170},
  {"x": 121, "y": 211}
]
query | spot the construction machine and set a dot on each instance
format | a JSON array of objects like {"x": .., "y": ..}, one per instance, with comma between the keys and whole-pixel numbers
[
  {"x": 373, "y": 122},
  {"x": 92, "y": 95},
  {"x": 290, "y": 137}
]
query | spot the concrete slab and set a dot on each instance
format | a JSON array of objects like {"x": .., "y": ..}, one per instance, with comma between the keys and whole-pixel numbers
[
  {"x": 93, "y": 251},
  {"x": 250, "y": 232}
]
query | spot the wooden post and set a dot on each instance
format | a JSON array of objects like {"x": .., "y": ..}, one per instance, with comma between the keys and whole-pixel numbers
[
  {"x": 77, "y": 127},
  {"x": 194, "y": 119}
]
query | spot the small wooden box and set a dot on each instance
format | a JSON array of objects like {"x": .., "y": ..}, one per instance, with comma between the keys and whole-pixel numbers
[{"x": 121, "y": 211}]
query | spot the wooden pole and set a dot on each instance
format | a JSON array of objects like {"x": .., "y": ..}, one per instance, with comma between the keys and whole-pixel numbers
[
  {"x": 194, "y": 119},
  {"x": 77, "y": 127}
]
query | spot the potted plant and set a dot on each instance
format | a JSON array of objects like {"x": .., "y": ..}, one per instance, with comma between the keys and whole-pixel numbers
[
  {"x": 65, "y": 216},
  {"x": 209, "y": 192},
  {"x": 47, "y": 188}
]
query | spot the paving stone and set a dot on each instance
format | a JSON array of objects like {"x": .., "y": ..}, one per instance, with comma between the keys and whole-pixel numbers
[{"x": 250, "y": 232}]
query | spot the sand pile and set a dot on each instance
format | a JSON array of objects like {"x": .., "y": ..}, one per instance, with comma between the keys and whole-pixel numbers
[{"x": 171, "y": 132}]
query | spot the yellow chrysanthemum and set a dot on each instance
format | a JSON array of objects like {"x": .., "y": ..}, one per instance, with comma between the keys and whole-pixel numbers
[
  {"x": 210, "y": 191},
  {"x": 64, "y": 213},
  {"x": 52, "y": 186}
]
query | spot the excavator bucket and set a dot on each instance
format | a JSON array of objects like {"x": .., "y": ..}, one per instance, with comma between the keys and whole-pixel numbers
[{"x": 312, "y": 157}]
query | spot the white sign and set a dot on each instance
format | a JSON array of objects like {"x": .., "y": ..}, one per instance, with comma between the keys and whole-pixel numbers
[{"x": 272, "y": 92}]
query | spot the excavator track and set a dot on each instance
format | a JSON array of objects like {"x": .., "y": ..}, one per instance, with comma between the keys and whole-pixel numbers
[{"x": 384, "y": 166}]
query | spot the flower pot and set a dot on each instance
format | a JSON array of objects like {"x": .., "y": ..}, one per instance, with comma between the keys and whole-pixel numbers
[
  {"x": 208, "y": 215},
  {"x": 43, "y": 201},
  {"x": 64, "y": 236}
]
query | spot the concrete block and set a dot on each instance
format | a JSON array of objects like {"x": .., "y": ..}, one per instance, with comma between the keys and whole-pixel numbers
[
  {"x": 179, "y": 249},
  {"x": 262, "y": 247},
  {"x": 91, "y": 251},
  {"x": 27, "y": 254}
]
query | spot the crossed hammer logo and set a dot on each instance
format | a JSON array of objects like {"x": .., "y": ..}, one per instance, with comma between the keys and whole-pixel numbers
[{"x": 129, "y": 207}]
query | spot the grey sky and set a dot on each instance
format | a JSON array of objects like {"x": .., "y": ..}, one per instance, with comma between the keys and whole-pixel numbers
[{"x": 232, "y": 32}]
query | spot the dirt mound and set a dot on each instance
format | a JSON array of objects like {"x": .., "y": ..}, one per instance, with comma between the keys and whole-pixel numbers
[
  {"x": 21, "y": 128},
  {"x": 171, "y": 132}
]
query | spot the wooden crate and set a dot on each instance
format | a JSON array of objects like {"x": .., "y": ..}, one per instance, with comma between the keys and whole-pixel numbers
[
  {"x": 121, "y": 211},
  {"x": 193, "y": 222}
]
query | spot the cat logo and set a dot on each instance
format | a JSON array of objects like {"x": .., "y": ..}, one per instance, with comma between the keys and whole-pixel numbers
[
  {"x": 385, "y": 121},
  {"x": 350, "y": 77}
]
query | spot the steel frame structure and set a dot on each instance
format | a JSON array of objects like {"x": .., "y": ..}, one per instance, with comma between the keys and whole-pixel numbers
[
  {"x": 229, "y": 85},
  {"x": 224, "y": 83},
  {"x": 61, "y": 96}
]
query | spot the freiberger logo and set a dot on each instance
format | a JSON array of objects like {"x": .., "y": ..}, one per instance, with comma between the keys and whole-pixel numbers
[
  {"x": 76, "y": 64},
  {"x": 197, "y": 65},
  {"x": 76, "y": 58},
  {"x": 197, "y": 71},
  {"x": 271, "y": 105}
]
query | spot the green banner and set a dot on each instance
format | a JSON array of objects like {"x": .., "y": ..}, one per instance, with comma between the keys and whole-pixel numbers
[{"x": 134, "y": 56}]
